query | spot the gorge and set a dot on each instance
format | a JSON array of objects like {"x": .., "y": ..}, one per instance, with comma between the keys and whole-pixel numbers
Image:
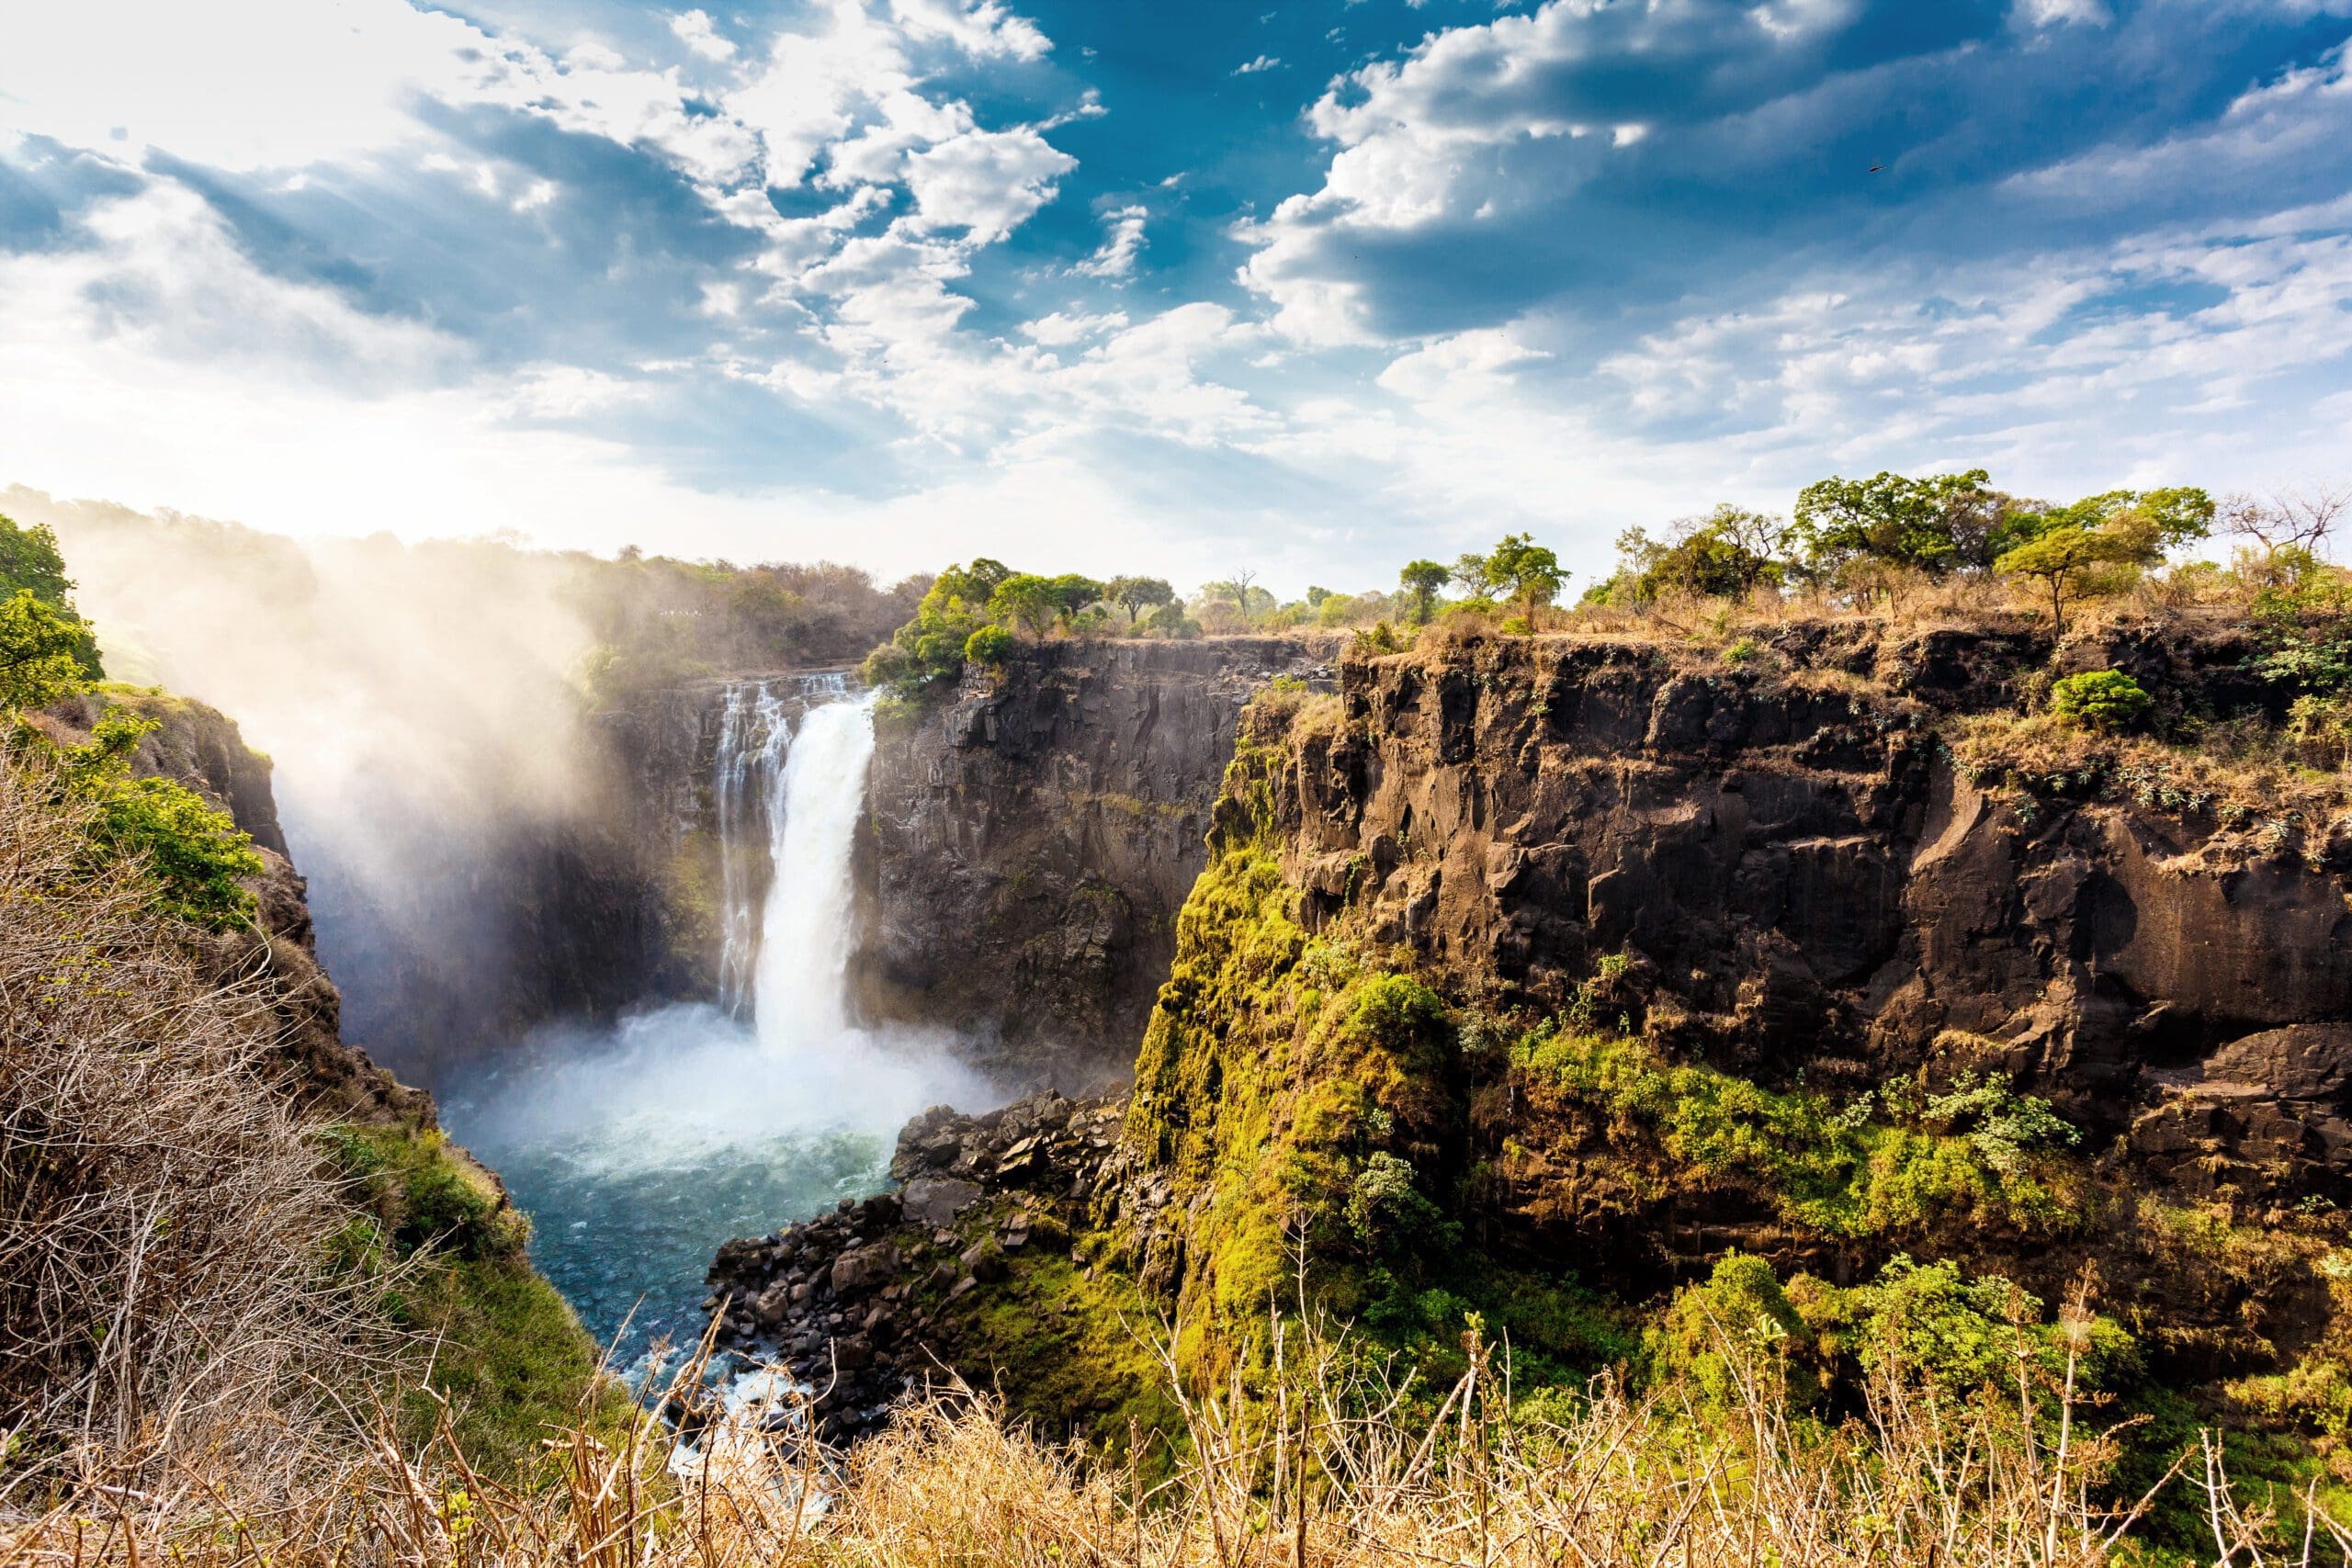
[{"x": 1536, "y": 984}]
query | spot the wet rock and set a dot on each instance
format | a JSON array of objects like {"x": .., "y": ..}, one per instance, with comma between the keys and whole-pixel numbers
[{"x": 933, "y": 1201}]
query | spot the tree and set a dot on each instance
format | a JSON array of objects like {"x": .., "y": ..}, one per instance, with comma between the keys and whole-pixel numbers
[
  {"x": 1315, "y": 596},
  {"x": 1422, "y": 579},
  {"x": 39, "y": 652},
  {"x": 1073, "y": 593},
  {"x": 1934, "y": 523},
  {"x": 1725, "y": 554},
  {"x": 989, "y": 645},
  {"x": 2172, "y": 517},
  {"x": 2065, "y": 557},
  {"x": 2288, "y": 519},
  {"x": 1137, "y": 594},
  {"x": 1027, "y": 601},
  {"x": 1518, "y": 570},
  {"x": 31, "y": 560}
]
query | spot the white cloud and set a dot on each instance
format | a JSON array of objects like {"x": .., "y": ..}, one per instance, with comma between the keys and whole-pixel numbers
[
  {"x": 1263, "y": 62},
  {"x": 1121, "y": 245},
  {"x": 986, "y": 182},
  {"x": 694, "y": 29},
  {"x": 1061, "y": 329}
]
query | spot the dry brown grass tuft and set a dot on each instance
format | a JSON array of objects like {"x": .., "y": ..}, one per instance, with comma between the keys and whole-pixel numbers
[{"x": 167, "y": 1288}]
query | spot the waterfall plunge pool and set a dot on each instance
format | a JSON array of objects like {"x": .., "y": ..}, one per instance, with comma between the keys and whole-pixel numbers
[{"x": 638, "y": 1149}]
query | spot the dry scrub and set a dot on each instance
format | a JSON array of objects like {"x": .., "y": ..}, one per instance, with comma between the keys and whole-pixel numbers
[
  {"x": 167, "y": 1292},
  {"x": 1332, "y": 1462}
]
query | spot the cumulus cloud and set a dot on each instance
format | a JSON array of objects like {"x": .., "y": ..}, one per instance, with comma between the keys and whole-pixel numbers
[
  {"x": 1550, "y": 268},
  {"x": 986, "y": 182},
  {"x": 694, "y": 29}
]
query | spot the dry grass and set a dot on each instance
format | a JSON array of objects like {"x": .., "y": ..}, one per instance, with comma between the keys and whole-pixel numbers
[
  {"x": 1330, "y": 1462},
  {"x": 166, "y": 1291}
]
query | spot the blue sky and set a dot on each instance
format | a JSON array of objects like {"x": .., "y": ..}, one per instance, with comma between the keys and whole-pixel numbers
[{"x": 1303, "y": 287}]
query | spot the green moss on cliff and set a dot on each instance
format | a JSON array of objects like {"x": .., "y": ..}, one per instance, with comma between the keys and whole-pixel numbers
[
  {"x": 506, "y": 1351},
  {"x": 1833, "y": 1171}
]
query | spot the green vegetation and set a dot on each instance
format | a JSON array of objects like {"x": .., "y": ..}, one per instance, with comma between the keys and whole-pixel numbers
[
  {"x": 2103, "y": 699},
  {"x": 40, "y": 662},
  {"x": 1518, "y": 571},
  {"x": 1979, "y": 1154},
  {"x": 507, "y": 1354},
  {"x": 30, "y": 564},
  {"x": 198, "y": 859},
  {"x": 661, "y": 622}
]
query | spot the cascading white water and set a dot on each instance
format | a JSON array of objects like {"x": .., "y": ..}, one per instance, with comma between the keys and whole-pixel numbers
[
  {"x": 638, "y": 1148},
  {"x": 805, "y": 924},
  {"x": 752, "y": 740},
  {"x": 787, "y": 798}
]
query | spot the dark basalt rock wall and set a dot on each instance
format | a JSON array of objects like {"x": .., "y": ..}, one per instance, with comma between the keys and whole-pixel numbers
[
  {"x": 1030, "y": 839},
  {"x": 1804, "y": 881}
]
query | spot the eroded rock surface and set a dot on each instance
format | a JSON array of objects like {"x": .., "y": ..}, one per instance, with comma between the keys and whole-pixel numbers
[{"x": 1029, "y": 842}]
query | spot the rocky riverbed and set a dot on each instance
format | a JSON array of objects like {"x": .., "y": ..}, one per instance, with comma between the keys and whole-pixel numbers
[{"x": 866, "y": 1303}]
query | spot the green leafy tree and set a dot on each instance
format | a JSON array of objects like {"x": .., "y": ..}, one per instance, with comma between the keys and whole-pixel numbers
[
  {"x": 199, "y": 858},
  {"x": 1726, "y": 554},
  {"x": 1137, "y": 595},
  {"x": 1422, "y": 579},
  {"x": 2103, "y": 699},
  {"x": 2068, "y": 558},
  {"x": 1028, "y": 600},
  {"x": 2170, "y": 518},
  {"x": 39, "y": 652},
  {"x": 30, "y": 562},
  {"x": 1933, "y": 523},
  {"x": 931, "y": 647},
  {"x": 1073, "y": 593},
  {"x": 1518, "y": 570}
]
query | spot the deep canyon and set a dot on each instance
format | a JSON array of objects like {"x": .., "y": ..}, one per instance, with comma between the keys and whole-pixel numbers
[{"x": 1527, "y": 979}]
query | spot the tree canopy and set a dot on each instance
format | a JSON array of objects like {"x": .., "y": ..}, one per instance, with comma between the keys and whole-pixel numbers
[
  {"x": 1518, "y": 570},
  {"x": 30, "y": 562}
]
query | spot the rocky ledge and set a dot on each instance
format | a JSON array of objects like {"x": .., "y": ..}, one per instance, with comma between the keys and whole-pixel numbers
[{"x": 870, "y": 1301}]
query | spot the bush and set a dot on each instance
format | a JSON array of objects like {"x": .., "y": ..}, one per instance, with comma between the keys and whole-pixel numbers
[
  {"x": 2101, "y": 699},
  {"x": 1738, "y": 1321},
  {"x": 199, "y": 858},
  {"x": 990, "y": 645}
]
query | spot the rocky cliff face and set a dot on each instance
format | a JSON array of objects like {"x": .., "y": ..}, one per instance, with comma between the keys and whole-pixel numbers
[
  {"x": 1800, "y": 870},
  {"x": 1029, "y": 842}
]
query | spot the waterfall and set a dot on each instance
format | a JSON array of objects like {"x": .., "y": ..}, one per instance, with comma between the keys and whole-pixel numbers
[
  {"x": 788, "y": 796},
  {"x": 638, "y": 1146},
  {"x": 805, "y": 927}
]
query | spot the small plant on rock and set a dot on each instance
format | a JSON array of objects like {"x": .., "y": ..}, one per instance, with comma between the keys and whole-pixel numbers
[{"x": 2099, "y": 699}]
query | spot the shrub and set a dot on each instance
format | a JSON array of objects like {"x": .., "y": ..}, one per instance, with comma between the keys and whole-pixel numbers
[
  {"x": 1388, "y": 1211},
  {"x": 2008, "y": 1126},
  {"x": 1737, "y": 1321},
  {"x": 2100, "y": 699},
  {"x": 990, "y": 645},
  {"x": 199, "y": 858}
]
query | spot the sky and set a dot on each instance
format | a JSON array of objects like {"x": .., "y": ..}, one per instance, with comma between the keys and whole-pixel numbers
[{"x": 1306, "y": 287}]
